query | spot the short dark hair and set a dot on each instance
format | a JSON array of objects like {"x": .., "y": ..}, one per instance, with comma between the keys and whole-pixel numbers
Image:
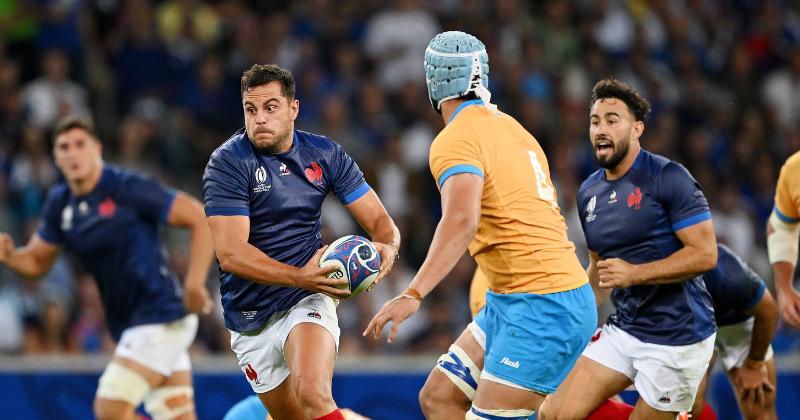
[
  {"x": 261, "y": 74},
  {"x": 71, "y": 122},
  {"x": 615, "y": 88}
]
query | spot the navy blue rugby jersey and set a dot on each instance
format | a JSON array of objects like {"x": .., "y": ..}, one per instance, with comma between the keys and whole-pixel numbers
[
  {"x": 735, "y": 288},
  {"x": 282, "y": 194},
  {"x": 113, "y": 231},
  {"x": 635, "y": 218}
]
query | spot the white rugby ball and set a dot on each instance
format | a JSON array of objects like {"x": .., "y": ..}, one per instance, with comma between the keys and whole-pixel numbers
[{"x": 356, "y": 260}]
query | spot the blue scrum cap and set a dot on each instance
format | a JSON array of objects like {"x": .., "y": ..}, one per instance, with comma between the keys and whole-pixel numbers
[{"x": 456, "y": 63}]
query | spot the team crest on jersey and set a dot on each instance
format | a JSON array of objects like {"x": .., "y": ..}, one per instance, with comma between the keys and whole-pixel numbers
[
  {"x": 107, "y": 208},
  {"x": 590, "y": 209},
  {"x": 261, "y": 179},
  {"x": 314, "y": 174},
  {"x": 66, "y": 218},
  {"x": 635, "y": 199},
  {"x": 284, "y": 170},
  {"x": 613, "y": 197}
]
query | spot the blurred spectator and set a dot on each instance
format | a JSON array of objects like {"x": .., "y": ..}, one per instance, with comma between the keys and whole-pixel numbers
[{"x": 53, "y": 95}]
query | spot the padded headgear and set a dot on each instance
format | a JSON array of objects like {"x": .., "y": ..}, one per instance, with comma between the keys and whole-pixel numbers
[{"x": 456, "y": 63}]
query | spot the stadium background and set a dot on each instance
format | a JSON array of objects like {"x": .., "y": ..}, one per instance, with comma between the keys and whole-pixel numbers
[{"x": 160, "y": 79}]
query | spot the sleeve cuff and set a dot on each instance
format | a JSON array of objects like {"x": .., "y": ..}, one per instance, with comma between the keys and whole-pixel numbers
[
  {"x": 459, "y": 169},
  {"x": 691, "y": 221},
  {"x": 757, "y": 298},
  {"x": 355, "y": 194},
  {"x": 227, "y": 211},
  {"x": 47, "y": 237},
  {"x": 165, "y": 213},
  {"x": 784, "y": 218}
]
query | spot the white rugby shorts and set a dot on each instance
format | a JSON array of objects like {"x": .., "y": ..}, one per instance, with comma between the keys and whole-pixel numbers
[
  {"x": 261, "y": 355},
  {"x": 733, "y": 344},
  {"x": 160, "y": 347},
  {"x": 666, "y": 377}
]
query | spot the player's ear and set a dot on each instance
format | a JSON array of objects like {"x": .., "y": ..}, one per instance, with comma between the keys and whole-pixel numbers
[
  {"x": 638, "y": 128},
  {"x": 294, "y": 108}
]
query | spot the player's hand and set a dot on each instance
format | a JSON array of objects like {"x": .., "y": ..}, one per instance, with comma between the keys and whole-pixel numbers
[
  {"x": 388, "y": 258},
  {"x": 395, "y": 311},
  {"x": 789, "y": 304},
  {"x": 615, "y": 272},
  {"x": 752, "y": 383},
  {"x": 315, "y": 278},
  {"x": 197, "y": 299},
  {"x": 7, "y": 247}
]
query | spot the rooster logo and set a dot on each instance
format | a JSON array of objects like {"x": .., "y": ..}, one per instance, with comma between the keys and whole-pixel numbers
[
  {"x": 251, "y": 373},
  {"x": 314, "y": 173},
  {"x": 107, "y": 208},
  {"x": 635, "y": 199}
]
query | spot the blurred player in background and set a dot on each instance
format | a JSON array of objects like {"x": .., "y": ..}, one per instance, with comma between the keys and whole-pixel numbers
[
  {"x": 783, "y": 228},
  {"x": 746, "y": 317},
  {"x": 498, "y": 201},
  {"x": 264, "y": 189},
  {"x": 649, "y": 231},
  {"x": 109, "y": 219}
]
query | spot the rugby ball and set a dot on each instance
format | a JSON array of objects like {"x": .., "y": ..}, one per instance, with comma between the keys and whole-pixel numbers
[{"x": 356, "y": 260}]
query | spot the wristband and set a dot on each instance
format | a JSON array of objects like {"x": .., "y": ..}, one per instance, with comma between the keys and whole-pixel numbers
[{"x": 412, "y": 294}]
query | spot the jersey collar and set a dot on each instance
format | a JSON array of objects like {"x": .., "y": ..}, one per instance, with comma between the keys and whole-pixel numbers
[{"x": 462, "y": 106}]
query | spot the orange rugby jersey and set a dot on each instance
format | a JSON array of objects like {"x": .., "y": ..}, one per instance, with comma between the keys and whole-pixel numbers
[
  {"x": 787, "y": 191},
  {"x": 521, "y": 245}
]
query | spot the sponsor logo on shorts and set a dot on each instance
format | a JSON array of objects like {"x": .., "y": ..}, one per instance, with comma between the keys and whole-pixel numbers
[
  {"x": 251, "y": 374},
  {"x": 665, "y": 399},
  {"x": 314, "y": 314},
  {"x": 508, "y": 362}
]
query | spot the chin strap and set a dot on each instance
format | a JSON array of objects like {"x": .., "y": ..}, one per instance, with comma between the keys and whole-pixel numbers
[{"x": 475, "y": 84}]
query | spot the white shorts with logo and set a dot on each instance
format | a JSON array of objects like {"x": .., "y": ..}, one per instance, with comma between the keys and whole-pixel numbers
[
  {"x": 261, "y": 355},
  {"x": 160, "y": 347},
  {"x": 666, "y": 377},
  {"x": 733, "y": 344}
]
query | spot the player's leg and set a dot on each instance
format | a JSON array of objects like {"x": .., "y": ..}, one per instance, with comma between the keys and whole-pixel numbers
[
  {"x": 532, "y": 342},
  {"x": 588, "y": 385},
  {"x": 668, "y": 377},
  {"x": 144, "y": 361},
  {"x": 699, "y": 404},
  {"x": 765, "y": 410},
  {"x": 451, "y": 385},
  {"x": 309, "y": 349},
  {"x": 281, "y": 401}
]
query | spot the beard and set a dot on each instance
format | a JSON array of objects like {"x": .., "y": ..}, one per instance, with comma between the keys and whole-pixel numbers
[
  {"x": 620, "y": 151},
  {"x": 273, "y": 145}
]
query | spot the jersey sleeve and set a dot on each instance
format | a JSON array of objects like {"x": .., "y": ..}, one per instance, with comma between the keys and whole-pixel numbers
[
  {"x": 743, "y": 283},
  {"x": 348, "y": 180},
  {"x": 50, "y": 222},
  {"x": 787, "y": 192},
  {"x": 452, "y": 155},
  {"x": 150, "y": 198},
  {"x": 225, "y": 186},
  {"x": 682, "y": 197}
]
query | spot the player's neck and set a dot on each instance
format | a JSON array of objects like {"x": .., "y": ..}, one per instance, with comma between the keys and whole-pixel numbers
[
  {"x": 449, "y": 107},
  {"x": 625, "y": 165},
  {"x": 79, "y": 187}
]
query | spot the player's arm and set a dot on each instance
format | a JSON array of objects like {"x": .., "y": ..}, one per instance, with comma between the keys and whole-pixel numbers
[
  {"x": 236, "y": 256},
  {"x": 187, "y": 212},
  {"x": 373, "y": 217},
  {"x": 782, "y": 247},
  {"x": 698, "y": 255},
  {"x": 31, "y": 261},
  {"x": 765, "y": 320},
  {"x": 600, "y": 294},
  {"x": 752, "y": 378},
  {"x": 461, "y": 212}
]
